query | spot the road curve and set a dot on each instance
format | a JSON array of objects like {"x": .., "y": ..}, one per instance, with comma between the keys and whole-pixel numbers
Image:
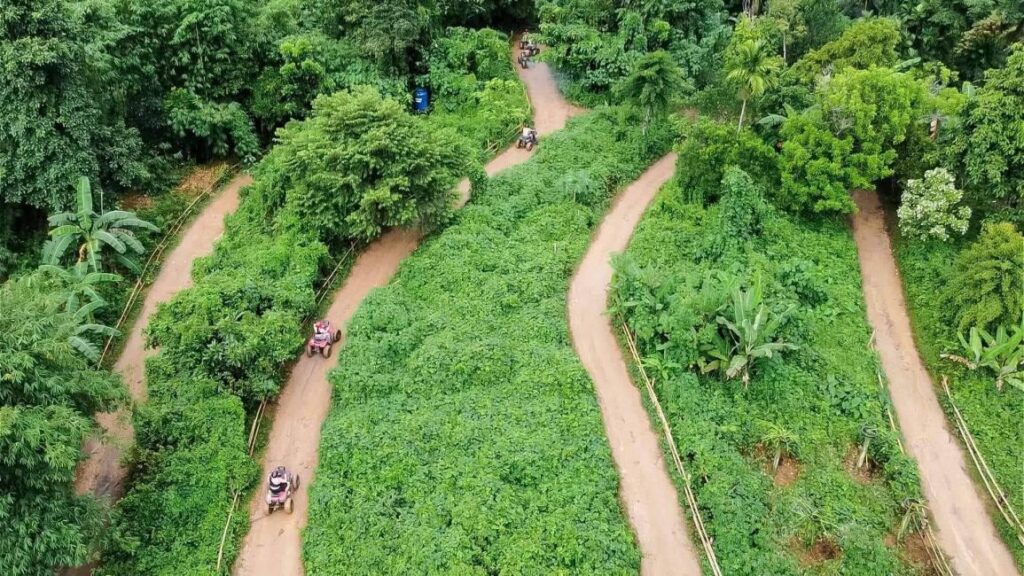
[
  {"x": 102, "y": 474},
  {"x": 966, "y": 532},
  {"x": 646, "y": 490},
  {"x": 273, "y": 546}
]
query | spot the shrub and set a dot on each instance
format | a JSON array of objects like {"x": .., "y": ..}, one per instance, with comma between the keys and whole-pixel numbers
[
  {"x": 708, "y": 147},
  {"x": 928, "y": 207},
  {"x": 985, "y": 288},
  {"x": 743, "y": 209}
]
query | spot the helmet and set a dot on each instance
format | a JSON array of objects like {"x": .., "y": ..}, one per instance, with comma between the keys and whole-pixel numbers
[{"x": 279, "y": 471}]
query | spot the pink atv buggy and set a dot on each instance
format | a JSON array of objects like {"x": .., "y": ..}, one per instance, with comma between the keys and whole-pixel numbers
[
  {"x": 323, "y": 338},
  {"x": 283, "y": 498}
]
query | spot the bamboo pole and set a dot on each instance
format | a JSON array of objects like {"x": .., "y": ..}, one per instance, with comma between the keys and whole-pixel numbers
[
  {"x": 691, "y": 501},
  {"x": 224, "y": 534},
  {"x": 987, "y": 477}
]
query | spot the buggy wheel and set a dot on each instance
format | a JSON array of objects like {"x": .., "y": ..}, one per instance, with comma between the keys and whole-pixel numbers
[
  {"x": 326, "y": 351},
  {"x": 309, "y": 351},
  {"x": 289, "y": 505},
  {"x": 337, "y": 336},
  {"x": 529, "y": 147},
  {"x": 296, "y": 483},
  {"x": 270, "y": 509}
]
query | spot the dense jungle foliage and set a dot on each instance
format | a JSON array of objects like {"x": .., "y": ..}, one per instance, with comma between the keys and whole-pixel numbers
[
  {"x": 224, "y": 344},
  {"x": 48, "y": 397},
  {"x": 782, "y": 107},
  {"x": 816, "y": 406},
  {"x": 464, "y": 435}
]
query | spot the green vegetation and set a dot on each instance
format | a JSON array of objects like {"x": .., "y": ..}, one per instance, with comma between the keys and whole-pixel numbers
[
  {"x": 810, "y": 406},
  {"x": 464, "y": 435},
  {"x": 50, "y": 392},
  {"x": 993, "y": 415},
  {"x": 224, "y": 344},
  {"x": 88, "y": 234}
]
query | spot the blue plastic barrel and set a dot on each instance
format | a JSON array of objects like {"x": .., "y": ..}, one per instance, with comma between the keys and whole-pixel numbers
[{"x": 420, "y": 100}]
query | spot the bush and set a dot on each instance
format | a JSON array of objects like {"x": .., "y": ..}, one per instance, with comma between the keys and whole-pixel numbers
[
  {"x": 708, "y": 147},
  {"x": 928, "y": 207},
  {"x": 361, "y": 164},
  {"x": 985, "y": 288},
  {"x": 464, "y": 436}
]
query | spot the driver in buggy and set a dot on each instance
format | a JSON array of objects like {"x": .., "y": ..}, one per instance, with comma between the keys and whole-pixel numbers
[
  {"x": 279, "y": 481},
  {"x": 322, "y": 331},
  {"x": 529, "y": 136}
]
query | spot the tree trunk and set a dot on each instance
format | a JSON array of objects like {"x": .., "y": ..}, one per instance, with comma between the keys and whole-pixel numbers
[
  {"x": 784, "y": 61},
  {"x": 743, "y": 114}
]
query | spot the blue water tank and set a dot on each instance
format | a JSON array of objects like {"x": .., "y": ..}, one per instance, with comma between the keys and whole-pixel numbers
[{"x": 420, "y": 100}]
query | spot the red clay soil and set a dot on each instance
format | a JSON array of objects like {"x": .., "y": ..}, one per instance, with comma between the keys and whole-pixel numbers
[
  {"x": 102, "y": 474},
  {"x": 966, "y": 532},
  {"x": 646, "y": 490},
  {"x": 273, "y": 546}
]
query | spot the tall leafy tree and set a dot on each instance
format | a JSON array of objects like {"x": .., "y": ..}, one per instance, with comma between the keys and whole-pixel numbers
[
  {"x": 49, "y": 395},
  {"x": 988, "y": 150},
  {"x": 752, "y": 69},
  {"x": 849, "y": 138},
  {"x": 61, "y": 103},
  {"x": 652, "y": 86},
  {"x": 361, "y": 164}
]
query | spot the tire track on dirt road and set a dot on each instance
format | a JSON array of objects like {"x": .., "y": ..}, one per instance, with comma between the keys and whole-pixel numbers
[
  {"x": 966, "y": 532},
  {"x": 273, "y": 546},
  {"x": 102, "y": 474},
  {"x": 646, "y": 491}
]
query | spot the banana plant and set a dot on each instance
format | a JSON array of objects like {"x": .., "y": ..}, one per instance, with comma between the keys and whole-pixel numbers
[
  {"x": 1002, "y": 353},
  {"x": 89, "y": 233},
  {"x": 80, "y": 284},
  {"x": 752, "y": 329}
]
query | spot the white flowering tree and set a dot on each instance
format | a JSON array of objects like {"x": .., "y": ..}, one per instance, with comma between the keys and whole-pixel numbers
[{"x": 930, "y": 207}]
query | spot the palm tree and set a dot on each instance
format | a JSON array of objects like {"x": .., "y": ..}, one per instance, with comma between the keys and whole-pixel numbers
[
  {"x": 754, "y": 70},
  {"x": 778, "y": 440},
  {"x": 90, "y": 233},
  {"x": 653, "y": 84}
]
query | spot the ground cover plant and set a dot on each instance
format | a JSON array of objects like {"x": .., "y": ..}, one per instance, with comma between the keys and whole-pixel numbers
[
  {"x": 798, "y": 470},
  {"x": 224, "y": 343},
  {"x": 993, "y": 415},
  {"x": 464, "y": 435}
]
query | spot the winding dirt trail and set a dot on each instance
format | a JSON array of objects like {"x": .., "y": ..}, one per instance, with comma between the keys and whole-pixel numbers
[
  {"x": 646, "y": 491},
  {"x": 102, "y": 474},
  {"x": 966, "y": 532},
  {"x": 273, "y": 546}
]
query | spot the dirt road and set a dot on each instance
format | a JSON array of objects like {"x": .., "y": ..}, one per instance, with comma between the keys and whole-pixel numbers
[
  {"x": 646, "y": 491},
  {"x": 273, "y": 546},
  {"x": 102, "y": 474},
  {"x": 966, "y": 532}
]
